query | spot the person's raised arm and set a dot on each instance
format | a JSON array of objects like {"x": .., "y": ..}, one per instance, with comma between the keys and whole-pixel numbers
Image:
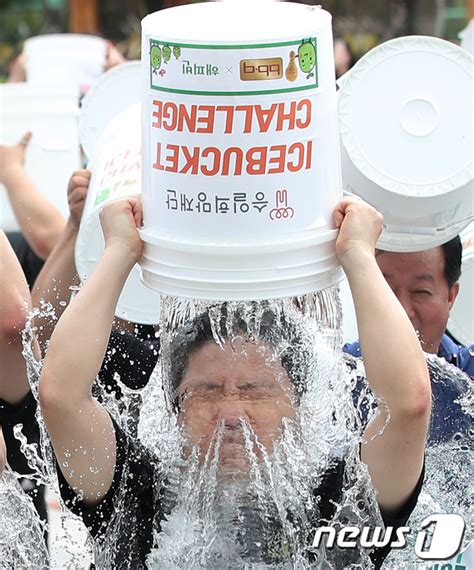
[
  {"x": 59, "y": 272},
  {"x": 394, "y": 362},
  {"x": 79, "y": 427},
  {"x": 40, "y": 221},
  {"x": 15, "y": 304}
]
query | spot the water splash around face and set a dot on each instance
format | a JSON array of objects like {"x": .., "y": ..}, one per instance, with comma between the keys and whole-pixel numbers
[{"x": 261, "y": 506}]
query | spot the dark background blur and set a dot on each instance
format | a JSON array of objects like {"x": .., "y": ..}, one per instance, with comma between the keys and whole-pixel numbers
[{"x": 362, "y": 23}]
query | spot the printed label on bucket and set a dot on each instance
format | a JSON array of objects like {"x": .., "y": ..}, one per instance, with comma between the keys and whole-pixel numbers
[
  {"x": 239, "y": 140},
  {"x": 281, "y": 67}
]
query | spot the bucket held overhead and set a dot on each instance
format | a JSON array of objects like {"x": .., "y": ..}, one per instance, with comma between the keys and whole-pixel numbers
[
  {"x": 405, "y": 117},
  {"x": 241, "y": 165},
  {"x": 112, "y": 140}
]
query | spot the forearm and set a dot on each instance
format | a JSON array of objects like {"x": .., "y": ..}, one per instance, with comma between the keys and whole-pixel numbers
[
  {"x": 79, "y": 341},
  {"x": 53, "y": 283},
  {"x": 40, "y": 221},
  {"x": 394, "y": 362},
  {"x": 14, "y": 308}
]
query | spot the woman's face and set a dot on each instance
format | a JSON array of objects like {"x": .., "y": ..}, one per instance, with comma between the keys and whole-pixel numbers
[{"x": 229, "y": 388}]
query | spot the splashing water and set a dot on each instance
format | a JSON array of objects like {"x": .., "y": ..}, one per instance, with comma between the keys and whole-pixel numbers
[
  {"x": 448, "y": 468},
  {"x": 21, "y": 532},
  {"x": 72, "y": 549},
  {"x": 263, "y": 514}
]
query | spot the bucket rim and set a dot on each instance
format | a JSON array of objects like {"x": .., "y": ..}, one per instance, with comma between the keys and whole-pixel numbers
[{"x": 318, "y": 237}]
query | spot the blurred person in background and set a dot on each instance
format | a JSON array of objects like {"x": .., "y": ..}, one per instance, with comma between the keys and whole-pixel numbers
[
  {"x": 17, "y": 68},
  {"x": 343, "y": 57},
  {"x": 17, "y": 404},
  {"x": 132, "y": 358},
  {"x": 41, "y": 223}
]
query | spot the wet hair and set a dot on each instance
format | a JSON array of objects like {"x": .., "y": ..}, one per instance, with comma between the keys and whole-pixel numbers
[
  {"x": 452, "y": 252},
  {"x": 276, "y": 329}
]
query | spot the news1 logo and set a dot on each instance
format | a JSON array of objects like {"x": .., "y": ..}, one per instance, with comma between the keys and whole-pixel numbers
[
  {"x": 261, "y": 69},
  {"x": 439, "y": 537}
]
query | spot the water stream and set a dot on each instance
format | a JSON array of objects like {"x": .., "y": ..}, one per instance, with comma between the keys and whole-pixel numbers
[{"x": 260, "y": 508}]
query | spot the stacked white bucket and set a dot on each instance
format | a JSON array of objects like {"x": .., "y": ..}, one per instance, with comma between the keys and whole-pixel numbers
[
  {"x": 241, "y": 165},
  {"x": 50, "y": 113},
  {"x": 73, "y": 60},
  {"x": 110, "y": 132},
  {"x": 58, "y": 68}
]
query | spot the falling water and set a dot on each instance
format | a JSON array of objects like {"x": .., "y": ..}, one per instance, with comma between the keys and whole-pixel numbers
[
  {"x": 264, "y": 517},
  {"x": 21, "y": 532}
]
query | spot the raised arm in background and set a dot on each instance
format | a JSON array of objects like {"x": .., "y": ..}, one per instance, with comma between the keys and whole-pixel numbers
[
  {"x": 40, "y": 221},
  {"x": 59, "y": 273},
  {"x": 395, "y": 365}
]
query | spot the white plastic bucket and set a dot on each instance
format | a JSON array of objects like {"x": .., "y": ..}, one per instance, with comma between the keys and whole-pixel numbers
[
  {"x": 75, "y": 60},
  {"x": 53, "y": 153},
  {"x": 405, "y": 116},
  {"x": 115, "y": 163},
  {"x": 117, "y": 89},
  {"x": 461, "y": 323},
  {"x": 241, "y": 165}
]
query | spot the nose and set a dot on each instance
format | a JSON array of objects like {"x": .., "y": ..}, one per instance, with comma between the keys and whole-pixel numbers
[{"x": 231, "y": 413}]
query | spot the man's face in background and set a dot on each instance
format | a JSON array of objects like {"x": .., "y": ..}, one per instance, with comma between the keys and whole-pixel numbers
[{"x": 418, "y": 281}]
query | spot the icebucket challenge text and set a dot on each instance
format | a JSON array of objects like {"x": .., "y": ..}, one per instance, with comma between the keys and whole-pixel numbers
[{"x": 438, "y": 538}]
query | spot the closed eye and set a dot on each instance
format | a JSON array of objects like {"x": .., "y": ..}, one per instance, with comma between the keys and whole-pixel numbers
[
  {"x": 207, "y": 387},
  {"x": 248, "y": 386}
]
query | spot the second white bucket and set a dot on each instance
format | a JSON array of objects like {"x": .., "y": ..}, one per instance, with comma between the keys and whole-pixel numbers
[
  {"x": 115, "y": 162},
  {"x": 405, "y": 117}
]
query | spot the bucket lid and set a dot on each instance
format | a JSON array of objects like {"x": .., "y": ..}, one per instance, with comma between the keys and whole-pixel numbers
[
  {"x": 407, "y": 100},
  {"x": 114, "y": 91},
  {"x": 406, "y": 134}
]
